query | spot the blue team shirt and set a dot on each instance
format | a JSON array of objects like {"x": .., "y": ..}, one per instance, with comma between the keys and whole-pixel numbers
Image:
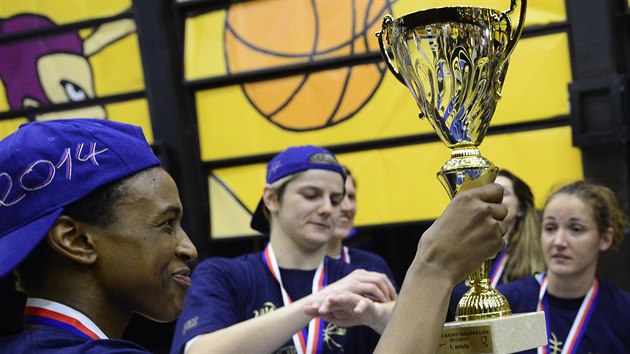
[
  {"x": 228, "y": 291},
  {"x": 607, "y": 332},
  {"x": 51, "y": 340}
]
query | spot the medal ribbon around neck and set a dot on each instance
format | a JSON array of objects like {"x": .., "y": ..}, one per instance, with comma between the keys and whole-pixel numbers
[
  {"x": 498, "y": 266},
  {"x": 581, "y": 319},
  {"x": 345, "y": 254},
  {"x": 311, "y": 341},
  {"x": 53, "y": 314}
]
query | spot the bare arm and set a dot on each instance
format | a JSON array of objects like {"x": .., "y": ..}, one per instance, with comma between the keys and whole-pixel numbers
[
  {"x": 265, "y": 334},
  {"x": 262, "y": 334},
  {"x": 418, "y": 316}
]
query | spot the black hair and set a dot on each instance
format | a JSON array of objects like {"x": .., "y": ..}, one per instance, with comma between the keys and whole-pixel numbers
[{"x": 96, "y": 208}]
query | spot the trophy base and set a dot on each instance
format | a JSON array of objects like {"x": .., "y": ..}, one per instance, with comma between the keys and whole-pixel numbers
[{"x": 497, "y": 335}]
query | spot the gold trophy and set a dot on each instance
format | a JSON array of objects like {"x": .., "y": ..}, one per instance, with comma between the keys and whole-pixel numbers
[{"x": 454, "y": 61}]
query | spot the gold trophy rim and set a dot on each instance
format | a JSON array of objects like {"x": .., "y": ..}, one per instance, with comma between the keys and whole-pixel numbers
[
  {"x": 455, "y": 11},
  {"x": 440, "y": 15}
]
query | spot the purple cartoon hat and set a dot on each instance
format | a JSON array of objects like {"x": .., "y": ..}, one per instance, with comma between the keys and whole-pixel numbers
[
  {"x": 47, "y": 165},
  {"x": 292, "y": 160}
]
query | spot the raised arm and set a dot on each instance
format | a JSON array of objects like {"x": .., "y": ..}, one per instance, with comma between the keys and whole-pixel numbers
[{"x": 469, "y": 231}]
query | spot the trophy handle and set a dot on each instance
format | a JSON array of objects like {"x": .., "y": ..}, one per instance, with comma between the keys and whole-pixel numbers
[
  {"x": 513, "y": 35},
  {"x": 388, "y": 20}
]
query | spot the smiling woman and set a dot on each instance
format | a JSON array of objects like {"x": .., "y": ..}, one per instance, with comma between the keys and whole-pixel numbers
[
  {"x": 299, "y": 209},
  {"x": 89, "y": 234},
  {"x": 584, "y": 314}
]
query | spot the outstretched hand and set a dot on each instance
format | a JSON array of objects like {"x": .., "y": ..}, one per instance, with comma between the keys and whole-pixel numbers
[{"x": 468, "y": 232}]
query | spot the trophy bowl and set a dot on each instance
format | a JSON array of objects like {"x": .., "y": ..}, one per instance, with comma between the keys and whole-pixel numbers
[{"x": 454, "y": 61}]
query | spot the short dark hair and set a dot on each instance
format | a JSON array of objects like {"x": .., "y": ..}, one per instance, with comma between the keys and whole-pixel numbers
[{"x": 96, "y": 208}]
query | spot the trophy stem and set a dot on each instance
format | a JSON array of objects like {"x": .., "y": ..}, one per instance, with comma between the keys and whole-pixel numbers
[
  {"x": 467, "y": 169},
  {"x": 482, "y": 300}
]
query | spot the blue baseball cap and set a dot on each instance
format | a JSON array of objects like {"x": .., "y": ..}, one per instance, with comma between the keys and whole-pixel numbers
[
  {"x": 290, "y": 161},
  {"x": 47, "y": 165}
]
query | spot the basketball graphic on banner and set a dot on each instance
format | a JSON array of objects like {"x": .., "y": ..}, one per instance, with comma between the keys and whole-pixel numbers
[{"x": 263, "y": 35}]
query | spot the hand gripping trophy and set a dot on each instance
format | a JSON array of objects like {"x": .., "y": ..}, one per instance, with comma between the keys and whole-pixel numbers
[{"x": 454, "y": 61}]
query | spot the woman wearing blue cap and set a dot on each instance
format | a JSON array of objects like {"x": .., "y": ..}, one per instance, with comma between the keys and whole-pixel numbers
[
  {"x": 290, "y": 298},
  {"x": 91, "y": 225},
  {"x": 255, "y": 302}
]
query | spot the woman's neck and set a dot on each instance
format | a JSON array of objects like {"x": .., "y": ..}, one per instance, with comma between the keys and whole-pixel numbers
[
  {"x": 569, "y": 287},
  {"x": 290, "y": 256},
  {"x": 334, "y": 248}
]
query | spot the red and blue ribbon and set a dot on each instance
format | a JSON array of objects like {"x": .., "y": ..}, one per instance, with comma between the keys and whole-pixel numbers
[
  {"x": 53, "y": 314},
  {"x": 306, "y": 341},
  {"x": 580, "y": 322}
]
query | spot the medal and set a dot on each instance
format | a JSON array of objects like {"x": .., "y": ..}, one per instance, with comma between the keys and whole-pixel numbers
[{"x": 497, "y": 268}]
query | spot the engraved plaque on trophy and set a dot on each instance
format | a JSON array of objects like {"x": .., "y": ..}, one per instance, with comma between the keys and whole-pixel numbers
[{"x": 454, "y": 61}]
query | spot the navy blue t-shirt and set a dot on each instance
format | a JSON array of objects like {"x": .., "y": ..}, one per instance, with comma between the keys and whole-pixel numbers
[
  {"x": 50, "y": 340},
  {"x": 608, "y": 330},
  {"x": 229, "y": 291}
]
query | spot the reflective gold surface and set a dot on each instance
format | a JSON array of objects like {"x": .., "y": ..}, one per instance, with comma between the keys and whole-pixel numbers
[{"x": 454, "y": 61}]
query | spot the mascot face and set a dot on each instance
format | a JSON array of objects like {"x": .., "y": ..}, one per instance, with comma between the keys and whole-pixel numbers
[{"x": 46, "y": 71}]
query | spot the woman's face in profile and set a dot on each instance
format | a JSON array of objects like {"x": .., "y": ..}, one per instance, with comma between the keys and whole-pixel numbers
[{"x": 145, "y": 250}]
